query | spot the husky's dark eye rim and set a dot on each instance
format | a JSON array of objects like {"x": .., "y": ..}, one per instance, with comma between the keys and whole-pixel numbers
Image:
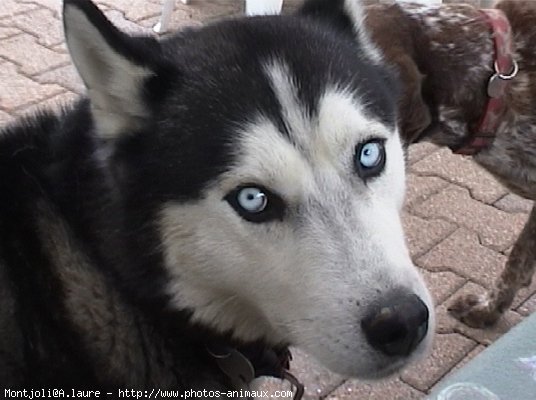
[
  {"x": 256, "y": 204},
  {"x": 369, "y": 158}
]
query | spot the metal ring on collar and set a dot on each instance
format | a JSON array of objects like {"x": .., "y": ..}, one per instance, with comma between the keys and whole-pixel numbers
[
  {"x": 219, "y": 355},
  {"x": 507, "y": 77}
]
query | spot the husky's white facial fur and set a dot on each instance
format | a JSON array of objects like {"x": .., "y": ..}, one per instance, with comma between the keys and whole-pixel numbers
[{"x": 309, "y": 278}]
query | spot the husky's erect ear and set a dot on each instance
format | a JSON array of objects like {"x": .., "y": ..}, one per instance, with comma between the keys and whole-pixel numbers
[
  {"x": 345, "y": 15},
  {"x": 113, "y": 65}
]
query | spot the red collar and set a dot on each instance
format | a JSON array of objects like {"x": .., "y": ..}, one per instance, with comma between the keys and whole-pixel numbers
[{"x": 505, "y": 69}]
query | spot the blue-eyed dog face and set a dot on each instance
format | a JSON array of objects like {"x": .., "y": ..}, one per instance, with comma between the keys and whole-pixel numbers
[{"x": 264, "y": 154}]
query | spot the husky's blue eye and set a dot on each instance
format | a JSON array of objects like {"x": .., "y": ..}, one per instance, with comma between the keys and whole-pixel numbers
[
  {"x": 252, "y": 199},
  {"x": 256, "y": 204},
  {"x": 370, "y": 158},
  {"x": 370, "y": 155}
]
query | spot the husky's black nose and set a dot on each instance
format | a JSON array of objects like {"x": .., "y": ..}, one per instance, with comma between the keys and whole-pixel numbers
[{"x": 397, "y": 324}]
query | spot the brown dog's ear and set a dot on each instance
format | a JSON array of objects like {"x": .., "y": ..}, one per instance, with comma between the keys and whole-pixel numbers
[{"x": 413, "y": 113}]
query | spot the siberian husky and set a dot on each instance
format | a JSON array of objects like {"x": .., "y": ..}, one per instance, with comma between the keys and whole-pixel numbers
[{"x": 227, "y": 189}]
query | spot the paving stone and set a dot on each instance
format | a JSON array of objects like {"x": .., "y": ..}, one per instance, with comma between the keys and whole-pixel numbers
[
  {"x": 513, "y": 203},
  {"x": 448, "y": 350},
  {"x": 289, "y": 6},
  {"x": 207, "y": 10},
  {"x": 65, "y": 76},
  {"x": 30, "y": 55},
  {"x": 472, "y": 354},
  {"x": 497, "y": 229},
  {"x": 528, "y": 307},
  {"x": 464, "y": 172},
  {"x": 148, "y": 24},
  {"x": 60, "y": 48},
  {"x": 135, "y": 10},
  {"x": 54, "y": 103},
  {"x": 392, "y": 389},
  {"x": 196, "y": 13},
  {"x": 436, "y": 230},
  {"x": 13, "y": 7},
  {"x": 442, "y": 284},
  {"x": 462, "y": 253},
  {"x": 447, "y": 323},
  {"x": 179, "y": 20},
  {"x": 17, "y": 90},
  {"x": 271, "y": 385},
  {"x": 318, "y": 380},
  {"x": 418, "y": 151},
  {"x": 119, "y": 20},
  {"x": 54, "y": 5},
  {"x": 176, "y": 24},
  {"x": 419, "y": 188},
  {"x": 8, "y": 31},
  {"x": 141, "y": 16},
  {"x": 43, "y": 25}
]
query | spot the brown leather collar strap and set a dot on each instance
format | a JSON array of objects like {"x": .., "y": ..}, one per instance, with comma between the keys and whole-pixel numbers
[{"x": 505, "y": 69}]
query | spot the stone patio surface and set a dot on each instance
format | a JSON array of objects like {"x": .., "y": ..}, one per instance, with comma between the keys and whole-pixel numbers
[{"x": 460, "y": 222}]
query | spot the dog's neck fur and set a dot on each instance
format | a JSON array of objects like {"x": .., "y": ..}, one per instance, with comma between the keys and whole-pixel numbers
[
  {"x": 445, "y": 57},
  {"x": 458, "y": 59}
]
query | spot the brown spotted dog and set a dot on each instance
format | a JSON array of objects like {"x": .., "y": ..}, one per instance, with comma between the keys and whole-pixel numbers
[{"x": 446, "y": 57}]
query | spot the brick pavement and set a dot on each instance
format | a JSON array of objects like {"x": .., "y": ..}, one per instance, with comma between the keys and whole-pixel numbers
[{"x": 460, "y": 222}]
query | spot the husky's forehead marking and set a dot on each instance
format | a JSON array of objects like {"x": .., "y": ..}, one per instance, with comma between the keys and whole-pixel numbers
[
  {"x": 289, "y": 162},
  {"x": 334, "y": 128},
  {"x": 343, "y": 122},
  {"x": 284, "y": 87},
  {"x": 265, "y": 156}
]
